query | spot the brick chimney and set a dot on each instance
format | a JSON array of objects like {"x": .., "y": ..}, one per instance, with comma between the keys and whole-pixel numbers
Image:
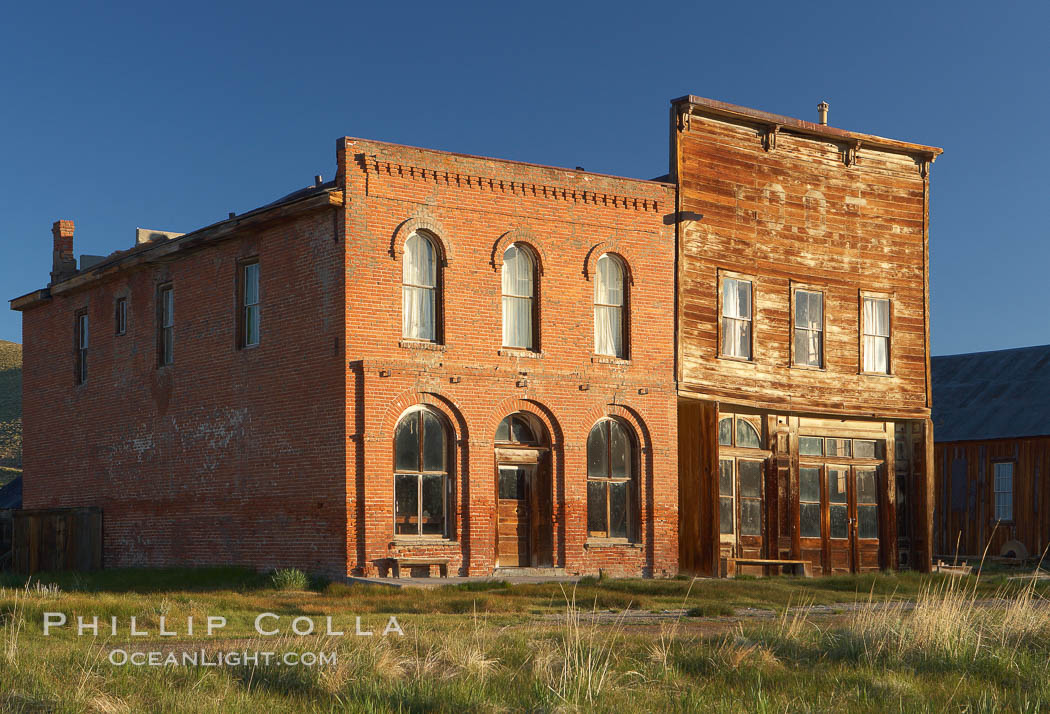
[{"x": 63, "y": 263}]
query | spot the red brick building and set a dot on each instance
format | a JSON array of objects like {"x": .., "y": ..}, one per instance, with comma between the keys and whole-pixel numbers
[{"x": 434, "y": 355}]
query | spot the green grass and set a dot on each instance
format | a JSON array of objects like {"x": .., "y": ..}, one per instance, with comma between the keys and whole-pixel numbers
[
  {"x": 501, "y": 647},
  {"x": 10, "y": 407}
]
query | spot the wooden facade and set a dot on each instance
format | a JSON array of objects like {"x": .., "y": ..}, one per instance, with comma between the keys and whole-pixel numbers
[{"x": 799, "y": 441}]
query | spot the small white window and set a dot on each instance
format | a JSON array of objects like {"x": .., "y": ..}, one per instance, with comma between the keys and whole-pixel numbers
[
  {"x": 82, "y": 347},
  {"x": 609, "y": 307},
  {"x": 419, "y": 290},
  {"x": 877, "y": 335},
  {"x": 166, "y": 326},
  {"x": 1004, "y": 491},
  {"x": 736, "y": 318},
  {"x": 809, "y": 328},
  {"x": 122, "y": 316},
  {"x": 518, "y": 289},
  {"x": 250, "y": 305}
]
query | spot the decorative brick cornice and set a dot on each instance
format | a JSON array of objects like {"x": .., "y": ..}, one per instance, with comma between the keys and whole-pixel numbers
[
  {"x": 378, "y": 165},
  {"x": 523, "y": 236}
]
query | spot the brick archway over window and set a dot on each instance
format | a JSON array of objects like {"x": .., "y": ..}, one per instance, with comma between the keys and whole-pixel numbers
[
  {"x": 523, "y": 236},
  {"x": 427, "y": 225},
  {"x": 440, "y": 403},
  {"x": 628, "y": 415},
  {"x": 613, "y": 248},
  {"x": 510, "y": 405}
]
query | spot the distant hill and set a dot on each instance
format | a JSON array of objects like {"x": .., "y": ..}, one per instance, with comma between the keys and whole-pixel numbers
[{"x": 10, "y": 410}]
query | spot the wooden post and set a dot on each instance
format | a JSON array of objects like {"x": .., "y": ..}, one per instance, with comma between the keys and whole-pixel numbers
[
  {"x": 888, "y": 498},
  {"x": 926, "y": 507}
]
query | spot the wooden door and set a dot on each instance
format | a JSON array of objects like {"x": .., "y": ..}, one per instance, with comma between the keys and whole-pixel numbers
[
  {"x": 864, "y": 504},
  {"x": 513, "y": 528},
  {"x": 840, "y": 546},
  {"x": 751, "y": 522},
  {"x": 812, "y": 525}
]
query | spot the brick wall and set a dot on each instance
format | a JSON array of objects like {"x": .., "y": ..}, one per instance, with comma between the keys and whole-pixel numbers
[
  {"x": 225, "y": 456},
  {"x": 281, "y": 455},
  {"x": 476, "y": 208}
]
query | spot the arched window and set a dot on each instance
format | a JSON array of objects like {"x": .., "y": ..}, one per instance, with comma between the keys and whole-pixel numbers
[
  {"x": 747, "y": 436},
  {"x": 422, "y": 487},
  {"x": 518, "y": 293},
  {"x": 419, "y": 289},
  {"x": 517, "y": 429},
  {"x": 610, "y": 481},
  {"x": 609, "y": 304}
]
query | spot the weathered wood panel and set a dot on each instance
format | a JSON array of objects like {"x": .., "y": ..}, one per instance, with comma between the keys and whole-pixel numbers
[
  {"x": 965, "y": 519},
  {"x": 798, "y": 213},
  {"x": 57, "y": 539},
  {"x": 6, "y": 523}
]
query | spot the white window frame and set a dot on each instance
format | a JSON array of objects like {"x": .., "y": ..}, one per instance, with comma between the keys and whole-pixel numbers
[
  {"x": 1003, "y": 485},
  {"x": 869, "y": 333},
  {"x": 748, "y": 320},
  {"x": 619, "y": 310},
  {"x": 412, "y": 291},
  {"x": 510, "y": 297}
]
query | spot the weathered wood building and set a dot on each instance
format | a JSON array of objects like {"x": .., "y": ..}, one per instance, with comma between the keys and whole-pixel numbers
[
  {"x": 992, "y": 455},
  {"x": 803, "y": 344}
]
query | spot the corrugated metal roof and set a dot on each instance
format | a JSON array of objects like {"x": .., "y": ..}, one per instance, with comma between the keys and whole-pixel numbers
[
  {"x": 992, "y": 395},
  {"x": 11, "y": 494}
]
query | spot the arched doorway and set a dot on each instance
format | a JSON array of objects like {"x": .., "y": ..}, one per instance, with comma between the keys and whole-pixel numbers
[{"x": 524, "y": 536}]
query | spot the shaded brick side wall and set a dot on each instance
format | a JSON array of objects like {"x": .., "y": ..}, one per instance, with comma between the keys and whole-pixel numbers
[
  {"x": 226, "y": 456},
  {"x": 476, "y": 208}
]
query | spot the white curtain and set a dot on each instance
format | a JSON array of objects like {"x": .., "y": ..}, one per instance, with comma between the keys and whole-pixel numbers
[
  {"x": 736, "y": 318},
  {"x": 418, "y": 292},
  {"x": 608, "y": 307},
  {"x": 517, "y": 298},
  {"x": 809, "y": 327},
  {"x": 876, "y": 335}
]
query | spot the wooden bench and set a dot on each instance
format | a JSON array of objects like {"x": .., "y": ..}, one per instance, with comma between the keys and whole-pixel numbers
[
  {"x": 798, "y": 567},
  {"x": 416, "y": 562}
]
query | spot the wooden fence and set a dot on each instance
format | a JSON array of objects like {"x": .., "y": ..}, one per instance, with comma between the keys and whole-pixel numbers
[{"x": 56, "y": 539}]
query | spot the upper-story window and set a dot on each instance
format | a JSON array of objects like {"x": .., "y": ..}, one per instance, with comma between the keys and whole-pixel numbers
[
  {"x": 876, "y": 340},
  {"x": 609, "y": 307},
  {"x": 121, "y": 316},
  {"x": 165, "y": 325},
  {"x": 518, "y": 296},
  {"x": 419, "y": 289},
  {"x": 809, "y": 328},
  {"x": 249, "y": 304},
  {"x": 736, "y": 318},
  {"x": 82, "y": 346}
]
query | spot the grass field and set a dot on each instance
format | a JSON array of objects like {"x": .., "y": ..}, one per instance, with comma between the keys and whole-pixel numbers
[{"x": 873, "y": 643}]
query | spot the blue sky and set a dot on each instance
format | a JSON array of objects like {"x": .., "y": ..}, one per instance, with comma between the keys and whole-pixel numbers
[{"x": 120, "y": 115}]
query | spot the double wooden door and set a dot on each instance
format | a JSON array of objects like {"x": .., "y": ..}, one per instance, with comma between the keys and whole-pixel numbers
[{"x": 839, "y": 516}]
